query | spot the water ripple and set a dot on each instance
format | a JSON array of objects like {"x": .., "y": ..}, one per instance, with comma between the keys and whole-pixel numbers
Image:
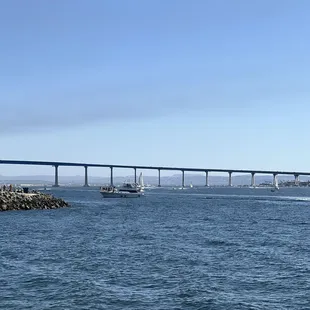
[{"x": 165, "y": 251}]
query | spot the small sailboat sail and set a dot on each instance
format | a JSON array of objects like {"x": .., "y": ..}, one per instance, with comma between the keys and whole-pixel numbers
[
  {"x": 191, "y": 185},
  {"x": 276, "y": 185},
  {"x": 141, "y": 182}
]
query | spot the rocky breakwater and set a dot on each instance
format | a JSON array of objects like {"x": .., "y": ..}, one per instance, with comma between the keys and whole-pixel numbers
[{"x": 22, "y": 201}]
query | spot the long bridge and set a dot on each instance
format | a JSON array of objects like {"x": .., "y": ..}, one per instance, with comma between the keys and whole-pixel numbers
[{"x": 56, "y": 165}]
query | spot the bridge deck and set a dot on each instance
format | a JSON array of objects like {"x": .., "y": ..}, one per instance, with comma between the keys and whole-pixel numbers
[{"x": 70, "y": 164}]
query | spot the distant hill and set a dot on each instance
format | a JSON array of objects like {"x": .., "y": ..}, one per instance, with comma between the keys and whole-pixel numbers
[{"x": 195, "y": 179}]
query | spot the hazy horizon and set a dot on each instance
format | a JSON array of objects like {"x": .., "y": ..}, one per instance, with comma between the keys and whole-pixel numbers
[{"x": 195, "y": 179}]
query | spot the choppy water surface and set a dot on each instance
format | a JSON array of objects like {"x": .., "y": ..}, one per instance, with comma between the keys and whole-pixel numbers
[{"x": 183, "y": 249}]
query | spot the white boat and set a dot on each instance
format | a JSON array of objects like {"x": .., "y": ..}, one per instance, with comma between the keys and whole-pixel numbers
[
  {"x": 127, "y": 191},
  {"x": 130, "y": 187},
  {"x": 191, "y": 185}
]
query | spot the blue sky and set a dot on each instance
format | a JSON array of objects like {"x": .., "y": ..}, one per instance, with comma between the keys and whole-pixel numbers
[{"x": 210, "y": 84}]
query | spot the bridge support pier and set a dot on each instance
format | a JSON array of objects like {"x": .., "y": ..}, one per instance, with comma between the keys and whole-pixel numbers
[
  {"x": 275, "y": 179},
  {"x": 253, "y": 179},
  {"x": 207, "y": 178},
  {"x": 297, "y": 179},
  {"x": 229, "y": 178},
  {"x": 86, "y": 177},
  {"x": 159, "y": 178},
  {"x": 56, "y": 184},
  {"x": 135, "y": 176},
  {"x": 183, "y": 179},
  {"x": 111, "y": 176}
]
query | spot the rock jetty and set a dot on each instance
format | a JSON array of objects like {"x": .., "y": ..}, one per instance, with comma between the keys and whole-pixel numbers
[{"x": 29, "y": 201}]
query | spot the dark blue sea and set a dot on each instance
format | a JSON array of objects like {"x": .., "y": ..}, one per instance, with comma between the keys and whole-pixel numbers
[{"x": 224, "y": 248}]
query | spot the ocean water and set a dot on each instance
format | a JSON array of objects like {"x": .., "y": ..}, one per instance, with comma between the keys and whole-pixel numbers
[{"x": 223, "y": 248}]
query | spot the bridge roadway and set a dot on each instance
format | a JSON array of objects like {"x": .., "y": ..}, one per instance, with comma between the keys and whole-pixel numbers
[{"x": 158, "y": 168}]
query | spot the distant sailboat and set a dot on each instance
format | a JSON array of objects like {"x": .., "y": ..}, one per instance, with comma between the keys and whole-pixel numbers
[
  {"x": 191, "y": 185},
  {"x": 141, "y": 182},
  {"x": 276, "y": 185}
]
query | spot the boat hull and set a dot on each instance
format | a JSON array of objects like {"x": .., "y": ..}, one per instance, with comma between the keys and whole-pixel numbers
[{"x": 120, "y": 195}]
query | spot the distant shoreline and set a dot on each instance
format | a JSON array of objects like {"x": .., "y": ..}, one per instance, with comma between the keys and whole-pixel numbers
[{"x": 44, "y": 186}]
